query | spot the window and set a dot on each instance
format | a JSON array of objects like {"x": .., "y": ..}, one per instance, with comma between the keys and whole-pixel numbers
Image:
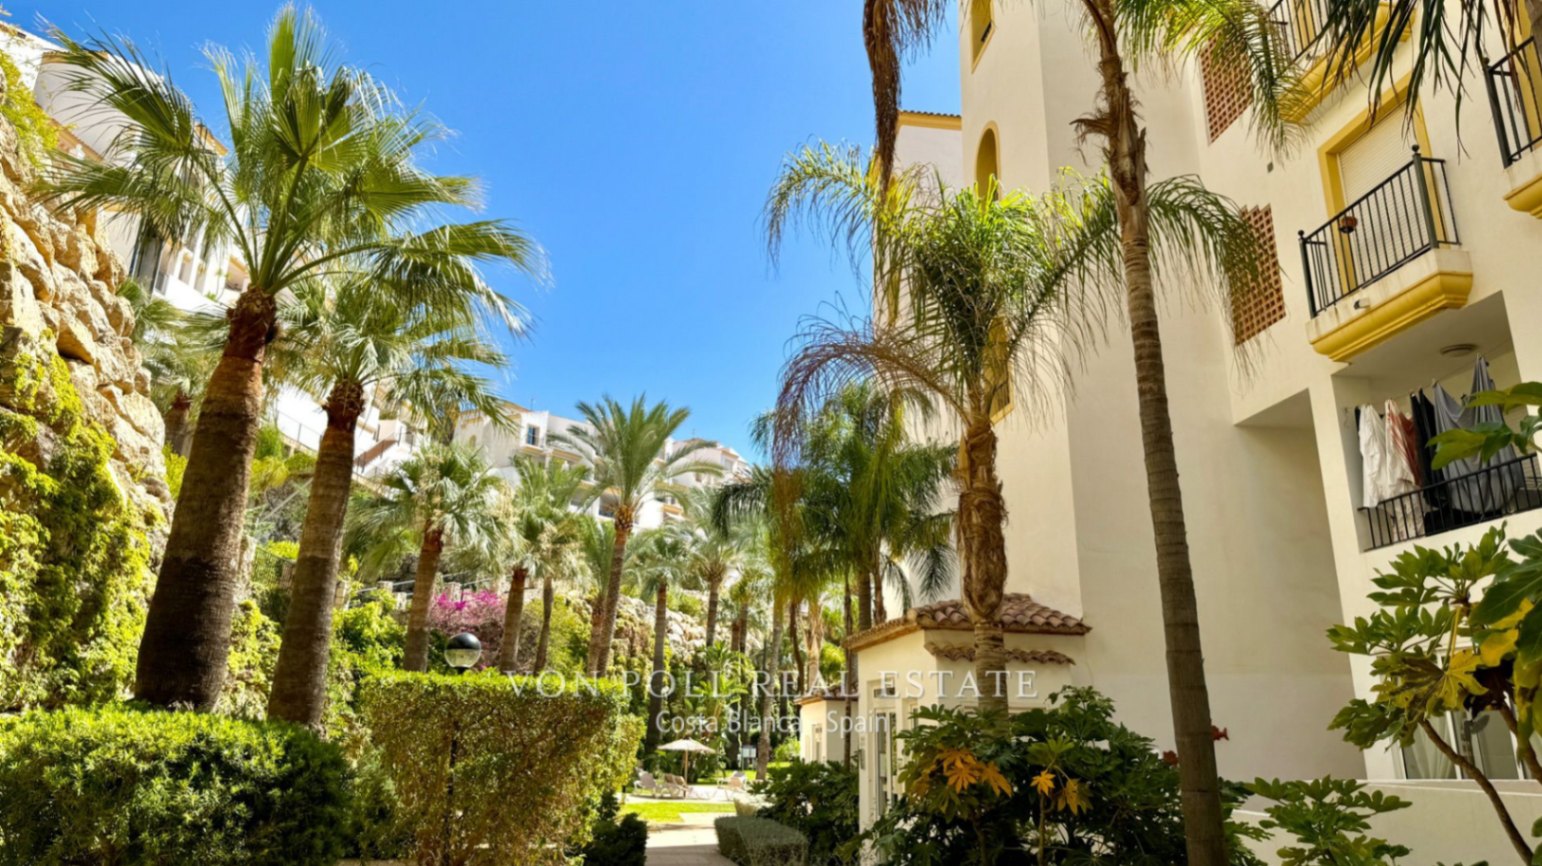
[
  {"x": 982, "y": 24},
  {"x": 1485, "y": 740},
  {"x": 1255, "y": 307},
  {"x": 987, "y": 162},
  {"x": 533, "y": 435},
  {"x": 1227, "y": 92}
]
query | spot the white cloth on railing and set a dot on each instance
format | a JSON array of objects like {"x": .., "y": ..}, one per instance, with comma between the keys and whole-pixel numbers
[{"x": 1386, "y": 470}]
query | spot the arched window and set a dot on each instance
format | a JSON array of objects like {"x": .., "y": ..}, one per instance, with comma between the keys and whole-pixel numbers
[{"x": 987, "y": 161}]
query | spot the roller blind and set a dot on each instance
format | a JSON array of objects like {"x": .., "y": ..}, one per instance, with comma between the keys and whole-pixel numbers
[{"x": 1374, "y": 157}]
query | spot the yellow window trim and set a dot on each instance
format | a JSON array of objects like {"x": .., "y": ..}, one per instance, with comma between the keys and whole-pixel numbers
[
  {"x": 1316, "y": 83},
  {"x": 1328, "y": 154},
  {"x": 981, "y": 42}
]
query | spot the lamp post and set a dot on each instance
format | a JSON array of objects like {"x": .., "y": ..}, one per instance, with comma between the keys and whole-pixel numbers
[{"x": 460, "y": 652}]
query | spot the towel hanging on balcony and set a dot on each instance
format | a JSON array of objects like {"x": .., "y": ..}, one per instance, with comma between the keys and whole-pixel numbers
[
  {"x": 1474, "y": 488},
  {"x": 1387, "y": 472}
]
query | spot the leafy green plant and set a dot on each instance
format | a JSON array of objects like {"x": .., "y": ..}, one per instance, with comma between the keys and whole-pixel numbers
[
  {"x": 616, "y": 842},
  {"x": 760, "y": 842},
  {"x": 123, "y": 787},
  {"x": 36, "y": 133},
  {"x": 493, "y": 769},
  {"x": 817, "y": 799},
  {"x": 1329, "y": 818},
  {"x": 1064, "y": 784}
]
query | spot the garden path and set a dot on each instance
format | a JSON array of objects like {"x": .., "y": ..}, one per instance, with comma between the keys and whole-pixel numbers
[{"x": 692, "y": 842}]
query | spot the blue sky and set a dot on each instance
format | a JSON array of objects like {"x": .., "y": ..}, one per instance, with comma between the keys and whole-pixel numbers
[{"x": 635, "y": 141}]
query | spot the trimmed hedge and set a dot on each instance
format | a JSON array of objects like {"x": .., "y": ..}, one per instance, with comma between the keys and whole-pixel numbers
[
  {"x": 760, "y": 842},
  {"x": 532, "y": 760},
  {"x": 122, "y": 787}
]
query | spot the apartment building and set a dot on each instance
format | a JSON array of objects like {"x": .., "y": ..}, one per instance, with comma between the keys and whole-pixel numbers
[
  {"x": 1406, "y": 253},
  {"x": 538, "y": 434},
  {"x": 192, "y": 273}
]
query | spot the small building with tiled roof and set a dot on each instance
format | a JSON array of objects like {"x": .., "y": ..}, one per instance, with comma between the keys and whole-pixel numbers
[{"x": 925, "y": 658}]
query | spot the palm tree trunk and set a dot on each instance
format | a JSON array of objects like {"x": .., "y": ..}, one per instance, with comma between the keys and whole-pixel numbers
[
  {"x": 814, "y": 638},
  {"x": 880, "y": 614},
  {"x": 513, "y": 617},
  {"x": 981, "y": 513},
  {"x": 773, "y": 666},
  {"x": 548, "y": 595},
  {"x": 603, "y": 624},
  {"x": 1126, "y": 153},
  {"x": 176, "y": 423},
  {"x": 299, "y": 690},
  {"x": 865, "y": 600},
  {"x": 416, "y": 655},
  {"x": 849, "y": 678},
  {"x": 186, "y": 641},
  {"x": 797, "y": 649},
  {"x": 656, "y": 682},
  {"x": 713, "y": 586}
]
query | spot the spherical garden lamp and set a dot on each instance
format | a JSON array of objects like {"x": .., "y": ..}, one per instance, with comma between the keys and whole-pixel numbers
[{"x": 462, "y": 651}]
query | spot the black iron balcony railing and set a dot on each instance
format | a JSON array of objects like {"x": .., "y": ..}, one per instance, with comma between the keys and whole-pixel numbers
[
  {"x": 1515, "y": 96},
  {"x": 1299, "y": 22},
  {"x": 1496, "y": 490},
  {"x": 1404, "y": 217}
]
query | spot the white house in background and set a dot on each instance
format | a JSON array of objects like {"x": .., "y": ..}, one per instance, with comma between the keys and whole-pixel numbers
[
  {"x": 192, "y": 273},
  {"x": 1397, "y": 272},
  {"x": 532, "y": 433}
]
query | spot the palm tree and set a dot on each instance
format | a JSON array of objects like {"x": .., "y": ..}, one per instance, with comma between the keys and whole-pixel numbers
[
  {"x": 541, "y": 539},
  {"x": 663, "y": 560},
  {"x": 628, "y": 448},
  {"x": 443, "y": 495},
  {"x": 320, "y": 171},
  {"x": 716, "y": 553},
  {"x": 1218, "y": 250},
  {"x": 597, "y": 545},
  {"x": 174, "y": 350},
  {"x": 356, "y": 343}
]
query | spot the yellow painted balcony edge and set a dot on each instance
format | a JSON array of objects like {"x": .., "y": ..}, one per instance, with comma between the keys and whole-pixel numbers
[
  {"x": 1315, "y": 85},
  {"x": 1442, "y": 290},
  {"x": 1527, "y": 198}
]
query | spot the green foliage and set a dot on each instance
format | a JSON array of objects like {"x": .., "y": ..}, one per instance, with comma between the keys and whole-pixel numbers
[
  {"x": 992, "y": 788},
  {"x": 760, "y": 842},
  {"x": 615, "y": 842},
  {"x": 74, "y": 555},
  {"x": 1329, "y": 818},
  {"x": 254, "y": 641},
  {"x": 176, "y": 466},
  {"x": 117, "y": 787},
  {"x": 818, "y": 800},
  {"x": 688, "y": 603},
  {"x": 531, "y": 759},
  {"x": 36, "y": 133}
]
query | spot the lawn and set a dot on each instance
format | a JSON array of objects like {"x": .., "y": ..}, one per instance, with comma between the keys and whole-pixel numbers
[{"x": 669, "y": 812}]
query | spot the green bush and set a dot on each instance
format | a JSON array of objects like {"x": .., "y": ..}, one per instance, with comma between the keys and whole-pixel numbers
[
  {"x": 531, "y": 760},
  {"x": 118, "y": 787},
  {"x": 616, "y": 843},
  {"x": 254, "y": 641},
  {"x": 760, "y": 842},
  {"x": 818, "y": 800}
]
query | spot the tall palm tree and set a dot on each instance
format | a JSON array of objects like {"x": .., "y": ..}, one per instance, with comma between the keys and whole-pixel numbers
[
  {"x": 628, "y": 450},
  {"x": 540, "y": 539},
  {"x": 663, "y": 561},
  {"x": 596, "y": 547},
  {"x": 984, "y": 298},
  {"x": 320, "y": 170},
  {"x": 1241, "y": 34},
  {"x": 443, "y": 495},
  {"x": 355, "y": 344},
  {"x": 716, "y": 553}
]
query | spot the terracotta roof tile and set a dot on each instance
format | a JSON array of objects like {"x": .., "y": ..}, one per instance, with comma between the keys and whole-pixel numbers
[
  {"x": 1020, "y": 614},
  {"x": 966, "y": 654}
]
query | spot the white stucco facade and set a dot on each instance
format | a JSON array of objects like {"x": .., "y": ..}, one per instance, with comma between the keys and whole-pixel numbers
[{"x": 1266, "y": 431}]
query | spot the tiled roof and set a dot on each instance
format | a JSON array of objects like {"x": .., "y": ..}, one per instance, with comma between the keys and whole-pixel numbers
[
  {"x": 1033, "y": 657},
  {"x": 1020, "y": 614},
  {"x": 833, "y": 693}
]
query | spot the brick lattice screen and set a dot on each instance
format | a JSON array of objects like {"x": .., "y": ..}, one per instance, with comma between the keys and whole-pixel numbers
[
  {"x": 1227, "y": 93},
  {"x": 1255, "y": 308}
]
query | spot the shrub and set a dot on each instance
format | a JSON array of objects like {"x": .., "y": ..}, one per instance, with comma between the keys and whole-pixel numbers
[
  {"x": 760, "y": 842},
  {"x": 1066, "y": 781},
  {"x": 616, "y": 843},
  {"x": 117, "y": 786},
  {"x": 818, "y": 800},
  {"x": 531, "y": 760},
  {"x": 254, "y": 641}
]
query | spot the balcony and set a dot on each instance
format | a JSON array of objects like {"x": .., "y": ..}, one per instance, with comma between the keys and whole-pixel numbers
[
  {"x": 1515, "y": 98},
  {"x": 1299, "y": 24},
  {"x": 1492, "y": 492},
  {"x": 1386, "y": 262}
]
